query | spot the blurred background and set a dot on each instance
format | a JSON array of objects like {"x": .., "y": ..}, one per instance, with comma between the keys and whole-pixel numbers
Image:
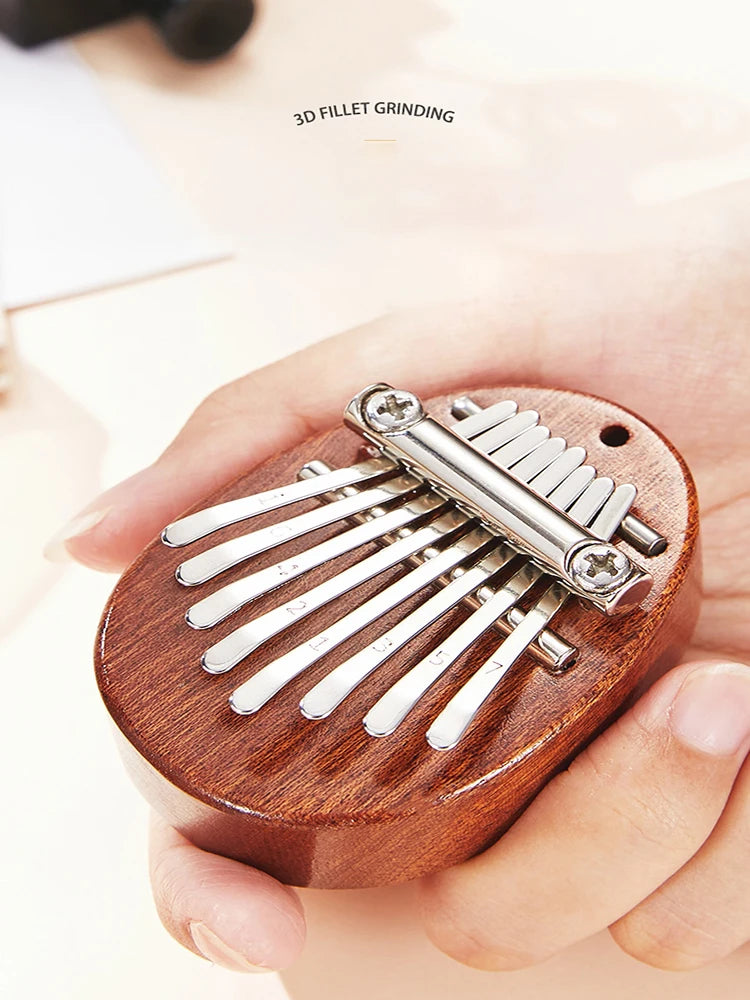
[{"x": 166, "y": 226}]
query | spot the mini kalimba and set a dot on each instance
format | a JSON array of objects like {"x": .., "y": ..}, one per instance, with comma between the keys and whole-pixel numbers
[{"x": 360, "y": 661}]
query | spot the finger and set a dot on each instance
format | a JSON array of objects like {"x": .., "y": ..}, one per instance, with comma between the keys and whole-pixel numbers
[
  {"x": 254, "y": 417},
  {"x": 702, "y": 913},
  {"x": 630, "y": 812},
  {"x": 239, "y": 426},
  {"x": 242, "y": 423},
  {"x": 230, "y": 914},
  {"x": 536, "y": 336}
]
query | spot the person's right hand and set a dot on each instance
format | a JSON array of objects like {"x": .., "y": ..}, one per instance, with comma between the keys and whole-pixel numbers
[{"x": 670, "y": 342}]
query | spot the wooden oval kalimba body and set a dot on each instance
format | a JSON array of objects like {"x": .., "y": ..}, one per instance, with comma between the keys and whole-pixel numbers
[{"x": 318, "y": 800}]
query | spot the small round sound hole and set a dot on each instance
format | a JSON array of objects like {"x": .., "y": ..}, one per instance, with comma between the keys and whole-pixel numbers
[{"x": 615, "y": 436}]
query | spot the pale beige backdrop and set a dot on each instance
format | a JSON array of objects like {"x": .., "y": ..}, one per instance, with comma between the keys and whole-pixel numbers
[{"x": 632, "y": 106}]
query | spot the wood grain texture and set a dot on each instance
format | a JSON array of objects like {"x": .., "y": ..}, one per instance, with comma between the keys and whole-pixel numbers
[{"x": 324, "y": 804}]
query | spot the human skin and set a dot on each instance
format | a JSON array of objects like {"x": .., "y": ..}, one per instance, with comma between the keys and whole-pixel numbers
[{"x": 647, "y": 832}]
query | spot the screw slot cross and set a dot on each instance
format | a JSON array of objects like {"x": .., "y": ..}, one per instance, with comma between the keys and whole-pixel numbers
[
  {"x": 391, "y": 409},
  {"x": 599, "y": 567},
  {"x": 601, "y": 563},
  {"x": 394, "y": 406}
]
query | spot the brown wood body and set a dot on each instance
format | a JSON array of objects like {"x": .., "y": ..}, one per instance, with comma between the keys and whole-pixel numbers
[{"x": 323, "y": 803}]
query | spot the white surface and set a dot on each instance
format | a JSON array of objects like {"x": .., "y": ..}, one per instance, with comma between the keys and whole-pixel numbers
[
  {"x": 568, "y": 123},
  {"x": 80, "y": 206}
]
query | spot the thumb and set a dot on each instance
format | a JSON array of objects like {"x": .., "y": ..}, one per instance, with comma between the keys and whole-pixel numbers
[
  {"x": 234, "y": 428},
  {"x": 430, "y": 350},
  {"x": 243, "y": 423}
]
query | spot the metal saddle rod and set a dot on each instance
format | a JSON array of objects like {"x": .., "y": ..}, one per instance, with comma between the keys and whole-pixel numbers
[{"x": 480, "y": 482}]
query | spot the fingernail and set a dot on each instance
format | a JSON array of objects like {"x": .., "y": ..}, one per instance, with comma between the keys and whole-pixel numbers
[
  {"x": 212, "y": 947},
  {"x": 56, "y": 549},
  {"x": 711, "y": 712}
]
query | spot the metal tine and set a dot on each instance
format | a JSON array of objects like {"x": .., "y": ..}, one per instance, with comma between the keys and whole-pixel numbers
[
  {"x": 194, "y": 526},
  {"x": 482, "y": 420},
  {"x": 609, "y": 518},
  {"x": 221, "y": 557},
  {"x": 546, "y": 481},
  {"x": 572, "y": 487},
  {"x": 327, "y": 695},
  {"x": 224, "y": 602},
  {"x": 451, "y": 724},
  {"x": 343, "y": 679},
  {"x": 506, "y": 431},
  {"x": 588, "y": 505},
  {"x": 539, "y": 459},
  {"x": 390, "y": 710},
  {"x": 521, "y": 447},
  {"x": 263, "y": 685},
  {"x": 233, "y": 648}
]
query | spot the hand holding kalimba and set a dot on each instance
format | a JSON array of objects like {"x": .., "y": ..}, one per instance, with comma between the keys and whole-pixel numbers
[{"x": 656, "y": 754}]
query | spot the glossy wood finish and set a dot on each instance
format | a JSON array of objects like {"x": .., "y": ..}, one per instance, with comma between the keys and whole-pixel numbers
[{"x": 324, "y": 804}]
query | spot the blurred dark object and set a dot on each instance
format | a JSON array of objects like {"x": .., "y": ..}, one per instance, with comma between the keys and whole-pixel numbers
[{"x": 192, "y": 29}]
